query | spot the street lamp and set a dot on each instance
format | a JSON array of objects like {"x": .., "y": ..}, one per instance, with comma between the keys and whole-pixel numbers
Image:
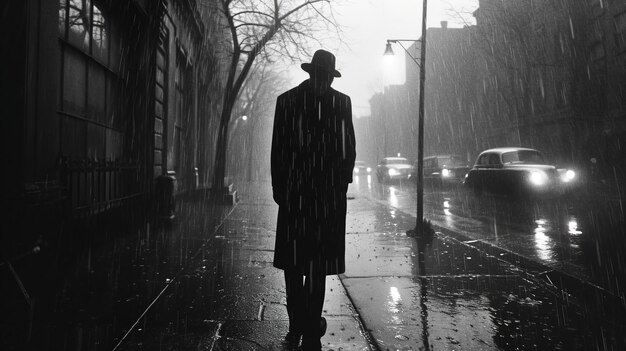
[
  {"x": 389, "y": 49},
  {"x": 422, "y": 226}
]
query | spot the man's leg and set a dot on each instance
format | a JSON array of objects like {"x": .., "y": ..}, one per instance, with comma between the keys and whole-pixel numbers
[
  {"x": 315, "y": 289},
  {"x": 294, "y": 288}
]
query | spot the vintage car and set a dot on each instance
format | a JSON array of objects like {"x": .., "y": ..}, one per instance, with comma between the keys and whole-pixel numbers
[
  {"x": 443, "y": 170},
  {"x": 393, "y": 168},
  {"x": 517, "y": 171},
  {"x": 361, "y": 168}
]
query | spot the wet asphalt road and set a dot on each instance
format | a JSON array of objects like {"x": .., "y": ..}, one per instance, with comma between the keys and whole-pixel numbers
[
  {"x": 582, "y": 234},
  {"x": 443, "y": 294}
]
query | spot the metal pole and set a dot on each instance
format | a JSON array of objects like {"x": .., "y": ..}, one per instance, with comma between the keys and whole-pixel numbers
[{"x": 419, "y": 225}]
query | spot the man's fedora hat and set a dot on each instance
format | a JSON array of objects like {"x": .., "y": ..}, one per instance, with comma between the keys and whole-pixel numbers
[{"x": 322, "y": 61}]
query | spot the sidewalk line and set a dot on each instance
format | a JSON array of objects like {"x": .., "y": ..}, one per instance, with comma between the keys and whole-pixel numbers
[
  {"x": 193, "y": 257},
  {"x": 132, "y": 327}
]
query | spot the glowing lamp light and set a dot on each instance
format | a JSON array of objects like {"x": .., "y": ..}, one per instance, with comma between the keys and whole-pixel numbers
[
  {"x": 393, "y": 172},
  {"x": 445, "y": 172}
]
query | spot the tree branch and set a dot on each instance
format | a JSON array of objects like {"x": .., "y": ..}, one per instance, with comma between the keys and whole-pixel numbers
[{"x": 297, "y": 8}]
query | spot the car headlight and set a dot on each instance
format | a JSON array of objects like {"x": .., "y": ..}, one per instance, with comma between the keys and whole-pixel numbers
[
  {"x": 393, "y": 172},
  {"x": 538, "y": 178},
  {"x": 446, "y": 172},
  {"x": 356, "y": 170},
  {"x": 369, "y": 170},
  {"x": 568, "y": 176}
]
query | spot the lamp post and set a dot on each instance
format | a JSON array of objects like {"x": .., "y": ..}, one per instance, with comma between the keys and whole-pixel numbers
[{"x": 422, "y": 227}]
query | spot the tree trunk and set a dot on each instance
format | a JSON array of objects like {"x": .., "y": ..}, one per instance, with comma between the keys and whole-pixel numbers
[{"x": 220, "y": 152}]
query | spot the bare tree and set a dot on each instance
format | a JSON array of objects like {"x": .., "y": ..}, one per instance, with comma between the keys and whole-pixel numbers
[
  {"x": 264, "y": 30},
  {"x": 256, "y": 101}
]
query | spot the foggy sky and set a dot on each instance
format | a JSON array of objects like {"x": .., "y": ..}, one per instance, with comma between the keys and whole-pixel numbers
[{"x": 366, "y": 25}]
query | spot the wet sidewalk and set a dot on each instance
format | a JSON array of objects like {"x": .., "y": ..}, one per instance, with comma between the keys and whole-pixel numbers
[
  {"x": 102, "y": 282},
  {"x": 230, "y": 297},
  {"x": 398, "y": 293},
  {"x": 452, "y": 294},
  {"x": 207, "y": 282}
]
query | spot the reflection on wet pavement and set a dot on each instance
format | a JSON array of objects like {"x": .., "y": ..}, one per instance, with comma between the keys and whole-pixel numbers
[
  {"x": 441, "y": 294},
  {"x": 579, "y": 234}
]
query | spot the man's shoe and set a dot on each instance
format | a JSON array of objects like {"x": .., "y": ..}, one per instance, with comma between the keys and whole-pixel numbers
[
  {"x": 292, "y": 340},
  {"x": 323, "y": 326},
  {"x": 310, "y": 345}
]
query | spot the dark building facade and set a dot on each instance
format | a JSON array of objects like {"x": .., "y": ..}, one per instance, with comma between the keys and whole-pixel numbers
[
  {"x": 450, "y": 105},
  {"x": 607, "y": 71},
  {"x": 560, "y": 67},
  {"x": 108, "y": 109},
  {"x": 542, "y": 74},
  {"x": 394, "y": 124},
  {"x": 103, "y": 97}
]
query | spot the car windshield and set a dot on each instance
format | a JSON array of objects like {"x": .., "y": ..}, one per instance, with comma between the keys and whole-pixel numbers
[
  {"x": 451, "y": 161},
  {"x": 397, "y": 161},
  {"x": 523, "y": 156}
]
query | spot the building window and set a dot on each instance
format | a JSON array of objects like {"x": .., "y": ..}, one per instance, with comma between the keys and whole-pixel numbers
[
  {"x": 79, "y": 22},
  {"x": 89, "y": 81},
  {"x": 182, "y": 102},
  {"x": 620, "y": 31},
  {"x": 99, "y": 39}
]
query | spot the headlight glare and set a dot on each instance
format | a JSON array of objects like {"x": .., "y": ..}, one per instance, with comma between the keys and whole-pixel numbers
[
  {"x": 568, "y": 176},
  {"x": 445, "y": 172},
  {"x": 538, "y": 178},
  {"x": 393, "y": 172},
  {"x": 369, "y": 169},
  {"x": 356, "y": 170}
]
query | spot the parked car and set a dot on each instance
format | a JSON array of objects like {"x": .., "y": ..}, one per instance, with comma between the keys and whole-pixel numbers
[
  {"x": 361, "y": 168},
  {"x": 393, "y": 168},
  {"x": 443, "y": 170},
  {"x": 517, "y": 171}
]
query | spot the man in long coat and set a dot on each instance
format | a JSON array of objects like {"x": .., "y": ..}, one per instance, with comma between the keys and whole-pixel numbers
[{"x": 313, "y": 153}]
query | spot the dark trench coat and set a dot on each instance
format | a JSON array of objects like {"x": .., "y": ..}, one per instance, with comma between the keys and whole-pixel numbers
[{"x": 313, "y": 153}]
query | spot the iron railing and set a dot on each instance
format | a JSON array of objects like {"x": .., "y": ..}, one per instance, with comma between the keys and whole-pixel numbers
[{"x": 95, "y": 186}]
